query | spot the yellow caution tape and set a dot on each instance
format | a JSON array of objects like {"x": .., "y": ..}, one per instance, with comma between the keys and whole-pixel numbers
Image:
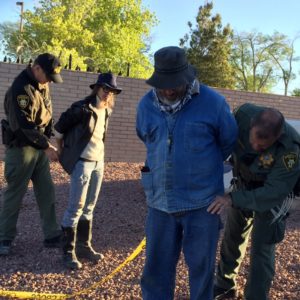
[
  {"x": 32, "y": 295},
  {"x": 132, "y": 256}
]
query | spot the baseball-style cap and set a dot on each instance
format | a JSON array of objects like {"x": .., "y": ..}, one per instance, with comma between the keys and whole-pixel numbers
[{"x": 50, "y": 65}]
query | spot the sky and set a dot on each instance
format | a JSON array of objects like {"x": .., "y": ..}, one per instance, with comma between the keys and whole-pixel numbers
[{"x": 265, "y": 16}]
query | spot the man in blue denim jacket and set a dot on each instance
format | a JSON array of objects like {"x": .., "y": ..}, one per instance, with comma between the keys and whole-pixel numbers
[{"x": 188, "y": 131}]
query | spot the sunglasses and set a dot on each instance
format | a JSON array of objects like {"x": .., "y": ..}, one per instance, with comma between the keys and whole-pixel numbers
[{"x": 106, "y": 89}]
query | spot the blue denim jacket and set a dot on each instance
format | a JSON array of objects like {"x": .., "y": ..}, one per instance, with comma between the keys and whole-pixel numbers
[{"x": 185, "y": 151}]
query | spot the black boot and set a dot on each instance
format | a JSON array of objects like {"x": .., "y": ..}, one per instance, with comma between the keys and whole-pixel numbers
[
  {"x": 84, "y": 247},
  {"x": 70, "y": 260},
  {"x": 222, "y": 294}
]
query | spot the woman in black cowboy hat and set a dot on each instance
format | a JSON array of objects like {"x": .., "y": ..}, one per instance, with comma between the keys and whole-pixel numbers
[{"x": 80, "y": 134}]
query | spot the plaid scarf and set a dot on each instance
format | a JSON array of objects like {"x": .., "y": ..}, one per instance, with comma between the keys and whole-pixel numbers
[{"x": 173, "y": 108}]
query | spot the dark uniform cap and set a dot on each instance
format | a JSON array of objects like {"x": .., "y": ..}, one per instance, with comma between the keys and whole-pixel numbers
[
  {"x": 109, "y": 80},
  {"x": 50, "y": 65}
]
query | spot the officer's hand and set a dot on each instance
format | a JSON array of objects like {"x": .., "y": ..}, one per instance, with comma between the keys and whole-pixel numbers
[
  {"x": 59, "y": 146},
  {"x": 59, "y": 150},
  {"x": 220, "y": 204},
  {"x": 52, "y": 153}
]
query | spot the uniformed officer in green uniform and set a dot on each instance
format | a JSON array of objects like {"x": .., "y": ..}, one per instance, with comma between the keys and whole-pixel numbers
[
  {"x": 26, "y": 132},
  {"x": 266, "y": 167}
]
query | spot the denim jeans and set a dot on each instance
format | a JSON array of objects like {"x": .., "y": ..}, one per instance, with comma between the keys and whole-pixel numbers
[
  {"x": 86, "y": 180},
  {"x": 197, "y": 233}
]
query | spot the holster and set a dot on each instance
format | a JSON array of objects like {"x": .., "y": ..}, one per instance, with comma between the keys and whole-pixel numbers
[
  {"x": 241, "y": 183},
  {"x": 252, "y": 185},
  {"x": 277, "y": 231},
  {"x": 7, "y": 134}
]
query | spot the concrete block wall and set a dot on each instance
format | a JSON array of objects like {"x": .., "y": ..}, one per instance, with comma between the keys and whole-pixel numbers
[
  {"x": 122, "y": 145},
  {"x": 121, "y": 141},
  {"x": 289, "y": 106}
]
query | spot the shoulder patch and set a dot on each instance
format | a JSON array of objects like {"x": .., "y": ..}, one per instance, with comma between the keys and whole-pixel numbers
[
  {"x": 290, "y": 160},
  {"x": 23, "y": 101}
]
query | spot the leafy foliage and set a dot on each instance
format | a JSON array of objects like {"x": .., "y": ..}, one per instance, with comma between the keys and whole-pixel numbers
[
  {"x": 257, "y": 58},
  {"x": 102, "y": 35},
  {"x": 284, "y": 58},
  {"x": 249, "y": 61},
  {"x": 208, "y": 48},
  {"x": 296, "y": 93}
]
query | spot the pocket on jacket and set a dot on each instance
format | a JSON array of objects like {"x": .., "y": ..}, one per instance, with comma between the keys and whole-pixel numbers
[
  {"x": 152, "y": 139},
  {"x": 147, "y": 183},
  {"x": 197, "y": 137}
]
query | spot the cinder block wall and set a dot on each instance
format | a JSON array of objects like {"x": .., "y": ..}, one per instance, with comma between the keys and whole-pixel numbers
[{"x": 122, "y": 143}]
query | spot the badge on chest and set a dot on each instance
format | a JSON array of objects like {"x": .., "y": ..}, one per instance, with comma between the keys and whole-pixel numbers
[{"x": 266, "y": 160}]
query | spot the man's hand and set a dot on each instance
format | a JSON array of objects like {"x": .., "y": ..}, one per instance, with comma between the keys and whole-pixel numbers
[
  {"x": 52, "y": 153},
  {"x": 220, "y": 204}
]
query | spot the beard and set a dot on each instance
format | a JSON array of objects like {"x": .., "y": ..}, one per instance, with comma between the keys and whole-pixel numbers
[{"x": 171, "y": 96}]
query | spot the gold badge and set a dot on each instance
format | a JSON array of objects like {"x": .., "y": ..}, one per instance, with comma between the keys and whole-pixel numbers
[
  {"x": 266, "y": 160},
  {"x": 290, "y": 160},
  {"x": 57, "y": 70},
  {"x": 23, "y": 101}
]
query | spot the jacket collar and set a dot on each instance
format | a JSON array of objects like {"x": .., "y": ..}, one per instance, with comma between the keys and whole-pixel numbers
[
  {"x": 30, "y": 75},
  {"x": 196, "y": 88},
  {"x": 93, "y": 101}
]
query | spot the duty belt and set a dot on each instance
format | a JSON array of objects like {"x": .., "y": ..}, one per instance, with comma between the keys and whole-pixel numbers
[{"x": 239, "y": 182}]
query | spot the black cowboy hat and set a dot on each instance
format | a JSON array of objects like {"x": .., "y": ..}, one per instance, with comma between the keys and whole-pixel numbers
[
  {"x": 171, "y": 69},
  {"x": 109, "y": 80}
]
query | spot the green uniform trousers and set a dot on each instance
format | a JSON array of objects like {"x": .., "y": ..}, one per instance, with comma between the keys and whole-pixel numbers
[
  {"x": 239, "y": 225},
  {"x": 23, "y": 164}
]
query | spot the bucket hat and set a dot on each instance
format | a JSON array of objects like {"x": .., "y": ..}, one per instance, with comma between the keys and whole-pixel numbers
[
  {"x": 171, "y": 69},
  {"x": 109, "y": 80},
  {"x": 50, "y": 65}
]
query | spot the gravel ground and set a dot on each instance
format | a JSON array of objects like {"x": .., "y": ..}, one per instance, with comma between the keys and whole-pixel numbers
[{"x": 118, "y": 230}]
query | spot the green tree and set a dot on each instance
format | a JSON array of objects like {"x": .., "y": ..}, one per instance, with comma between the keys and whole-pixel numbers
[
  {"x": 284, "y": 58},
  {"x": 105, "y": 35},
  {"x": 252, "y": 58},
  {"x": 296, "y": 93},
  {"x": 208, "y": 47}
]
